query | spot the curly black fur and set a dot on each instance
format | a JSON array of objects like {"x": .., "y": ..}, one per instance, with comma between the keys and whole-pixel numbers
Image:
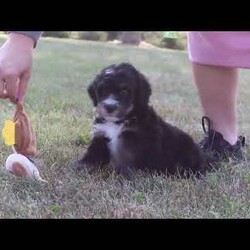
[{"x": 132, "y": 136}]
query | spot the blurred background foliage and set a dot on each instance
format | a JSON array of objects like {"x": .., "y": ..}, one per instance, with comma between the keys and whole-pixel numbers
[{"x": 162, "y": 39}]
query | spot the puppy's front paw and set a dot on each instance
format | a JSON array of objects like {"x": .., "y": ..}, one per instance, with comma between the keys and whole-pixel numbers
[
  {"x": 82, "y": 165},
  {"x": 125, "y": 172},
  {"x": 79, "y": 166}
]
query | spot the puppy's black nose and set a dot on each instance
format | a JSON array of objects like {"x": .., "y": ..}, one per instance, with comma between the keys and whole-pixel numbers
[{"x": 110, "y": 107}]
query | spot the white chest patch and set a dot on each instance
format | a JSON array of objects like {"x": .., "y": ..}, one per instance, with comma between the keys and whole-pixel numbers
[{"x": 109, "y": 130}]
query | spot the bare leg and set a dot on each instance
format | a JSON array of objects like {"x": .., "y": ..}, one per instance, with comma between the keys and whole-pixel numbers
[{"x": 217, "y": 88}]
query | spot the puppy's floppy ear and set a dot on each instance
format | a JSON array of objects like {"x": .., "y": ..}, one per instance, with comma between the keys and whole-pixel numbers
[
  {"x": 144, "y": 90},
  {"x": 92, "y": 92}
]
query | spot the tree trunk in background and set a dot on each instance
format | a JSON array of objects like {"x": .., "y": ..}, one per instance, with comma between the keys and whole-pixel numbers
[{"x": 131, "y": 37}]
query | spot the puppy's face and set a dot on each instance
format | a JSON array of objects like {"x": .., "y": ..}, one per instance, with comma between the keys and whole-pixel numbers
[{"x": 115, "y": 91}]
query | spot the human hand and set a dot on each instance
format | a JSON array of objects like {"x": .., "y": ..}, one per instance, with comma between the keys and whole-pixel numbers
[{"x": 15, "y": 66}]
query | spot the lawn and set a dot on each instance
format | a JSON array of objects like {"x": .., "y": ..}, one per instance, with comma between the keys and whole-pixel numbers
[{"x": 61, "y": 114}]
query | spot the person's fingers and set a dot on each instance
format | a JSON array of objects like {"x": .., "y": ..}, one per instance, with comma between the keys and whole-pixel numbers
[
  {"x": 23, "y": 83},
  {"x": 11, "y": 85},
  {"x": 2, "y": 89},
  {"x": 13, "y": 88},
  {"x": 2, "y": 84}
]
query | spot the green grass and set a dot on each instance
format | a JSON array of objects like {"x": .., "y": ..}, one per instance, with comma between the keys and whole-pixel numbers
[{"x": 61, "y": 113}]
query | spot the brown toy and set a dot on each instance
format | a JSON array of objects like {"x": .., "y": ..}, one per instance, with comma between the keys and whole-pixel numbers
[
  {"x": 25, "y": 141},
  {"x": 19, "y": 134}
]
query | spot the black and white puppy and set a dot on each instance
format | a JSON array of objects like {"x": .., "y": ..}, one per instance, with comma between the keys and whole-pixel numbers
[{"x": 129, "y": 134}]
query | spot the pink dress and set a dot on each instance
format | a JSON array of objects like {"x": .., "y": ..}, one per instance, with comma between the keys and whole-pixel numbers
[{"x": 230, "y": 49}]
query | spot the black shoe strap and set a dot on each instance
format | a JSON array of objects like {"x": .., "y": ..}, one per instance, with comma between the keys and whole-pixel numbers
[{"x": 242, "y": 140}]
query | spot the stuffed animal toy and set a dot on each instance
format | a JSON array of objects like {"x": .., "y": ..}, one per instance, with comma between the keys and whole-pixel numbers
[{"x": 18, "y": 133}]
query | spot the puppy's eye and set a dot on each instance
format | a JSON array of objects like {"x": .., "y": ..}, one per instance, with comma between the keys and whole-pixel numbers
[{"x": 124, "y": 92}]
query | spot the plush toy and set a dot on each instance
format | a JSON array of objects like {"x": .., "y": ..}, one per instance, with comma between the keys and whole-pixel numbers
[{"x": 19, "y": 134}]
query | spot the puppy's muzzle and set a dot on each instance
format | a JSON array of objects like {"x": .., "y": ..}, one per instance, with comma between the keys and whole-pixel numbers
[
  {"x": 110, "y": 108},
  {"x": 110, "y": 105}
]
